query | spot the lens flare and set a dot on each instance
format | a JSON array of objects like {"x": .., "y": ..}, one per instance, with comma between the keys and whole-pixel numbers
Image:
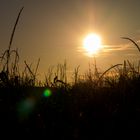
[
  {"x": 47, "y": 93},
  {"x": 25, "y": 108}
]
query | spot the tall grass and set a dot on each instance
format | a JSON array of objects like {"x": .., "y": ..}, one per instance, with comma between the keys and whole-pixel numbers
[
  {"x": 57, "y": 76},
  {"x": 10, "y": 75},
  {"x": 96, "y": 104}
]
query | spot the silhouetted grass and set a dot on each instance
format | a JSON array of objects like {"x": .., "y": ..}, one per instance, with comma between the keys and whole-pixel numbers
[{"x": 99, "y": 105}]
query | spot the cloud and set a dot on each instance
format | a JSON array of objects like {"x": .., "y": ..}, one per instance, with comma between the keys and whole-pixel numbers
[
  {"x": 121, "y": 47},
  {"x": 127, "y": 49},
  {"x": 111, "y": 48}
]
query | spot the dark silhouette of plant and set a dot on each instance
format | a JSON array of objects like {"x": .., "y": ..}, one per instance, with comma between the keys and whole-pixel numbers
[
  {"x": 9, "y": 51},
  {"x": 132, "y": 42},
  {"x": 6, "y": 56}
]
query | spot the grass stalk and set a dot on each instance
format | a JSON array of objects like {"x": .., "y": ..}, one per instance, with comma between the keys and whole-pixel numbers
[
  {"x": 8, "y": 52},
  {"x": 132, "y": 42}
]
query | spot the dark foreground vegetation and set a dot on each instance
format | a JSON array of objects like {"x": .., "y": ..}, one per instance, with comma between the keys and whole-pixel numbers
[
  {"x": 78, "y": 112},
  {"x": 95, "y": 106}
]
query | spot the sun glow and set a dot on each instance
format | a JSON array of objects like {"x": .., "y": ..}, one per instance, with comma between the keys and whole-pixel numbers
[{"x": 92, "y": 44}]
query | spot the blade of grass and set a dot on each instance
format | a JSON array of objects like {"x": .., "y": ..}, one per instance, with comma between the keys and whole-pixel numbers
[
  {"x": 11, "y": 39},
  {"x": 132, "y": 42},
  {"x": 109, "y": 70}
]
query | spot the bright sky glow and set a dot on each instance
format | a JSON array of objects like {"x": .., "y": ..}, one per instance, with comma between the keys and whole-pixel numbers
[{"x": 54, "y": 31}]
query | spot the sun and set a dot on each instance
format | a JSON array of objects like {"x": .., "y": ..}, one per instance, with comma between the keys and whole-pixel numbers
[{"x": 92, "y": 44}]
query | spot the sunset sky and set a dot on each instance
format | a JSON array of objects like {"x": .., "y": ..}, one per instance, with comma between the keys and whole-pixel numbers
[{"x": 53, "y": 30}]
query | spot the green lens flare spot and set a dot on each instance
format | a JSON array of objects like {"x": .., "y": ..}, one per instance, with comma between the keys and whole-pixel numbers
[
  {"x": 25, "y": 108},
  {"x": 47, "y": 93}
]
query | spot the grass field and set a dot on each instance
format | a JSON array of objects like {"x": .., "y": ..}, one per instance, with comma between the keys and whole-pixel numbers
[
  {"x": 101, "y": 106},
  {"x": 97, "y": 106}
]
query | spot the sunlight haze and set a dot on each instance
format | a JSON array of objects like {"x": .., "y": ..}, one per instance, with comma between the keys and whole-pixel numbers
[{"x": 53, "y": 30}]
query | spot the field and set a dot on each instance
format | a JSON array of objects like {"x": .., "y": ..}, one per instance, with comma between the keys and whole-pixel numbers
[
  {"x": 101, "y": 106},
  {"x": 97, "y": 106},
  {"x": 80, "y": 111}
]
